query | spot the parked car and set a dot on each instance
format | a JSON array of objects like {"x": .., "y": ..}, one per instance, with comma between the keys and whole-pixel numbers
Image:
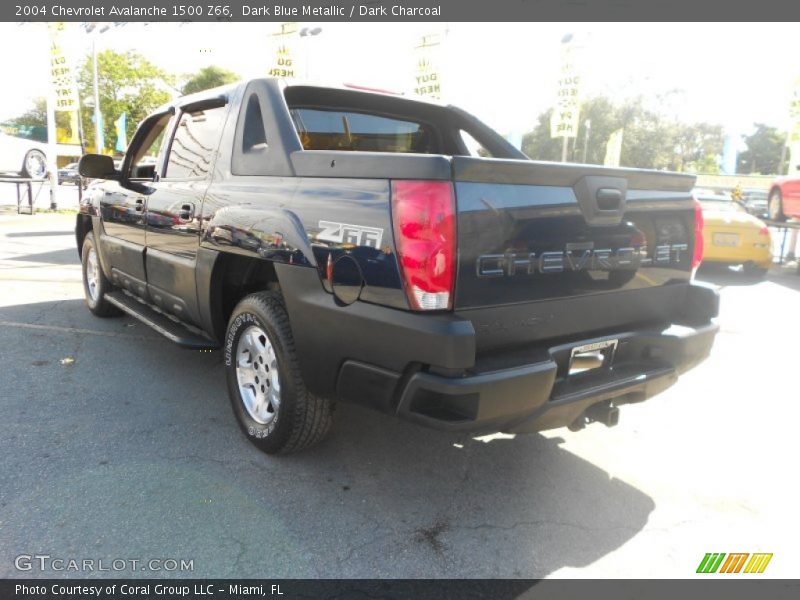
[
  {"x": 346, "y": 246},
  {"x": 756, "y": 202},
  {"x": 784, "y": 199},
  {"x": 69, "y": 174},
  {"x": 732, "y": 236},
  {"x": 22, "y": 157}
]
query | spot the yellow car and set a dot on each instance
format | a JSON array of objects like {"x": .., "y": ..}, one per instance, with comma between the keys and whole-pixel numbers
[{"x": 731, "y": 236}]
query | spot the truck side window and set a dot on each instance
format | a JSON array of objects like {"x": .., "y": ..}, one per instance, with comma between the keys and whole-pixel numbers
[
  {"x": 321, "y": 129},
  {"x": 191, "y": 154},
  {"x": 143, "y": 163},
  {"x": 253, "y": 135},
  {"x": 473, "y": 146}
]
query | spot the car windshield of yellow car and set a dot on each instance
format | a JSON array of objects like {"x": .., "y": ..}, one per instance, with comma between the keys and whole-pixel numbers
[{"x": 723, "y": 205}]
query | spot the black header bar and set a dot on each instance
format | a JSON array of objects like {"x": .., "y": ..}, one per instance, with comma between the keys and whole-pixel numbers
[
  {"x": 403, "y": 10},
  {"x": 730, "y": 588}
]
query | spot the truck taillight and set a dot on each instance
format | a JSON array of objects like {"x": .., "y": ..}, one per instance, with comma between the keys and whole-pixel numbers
[
  {"x": 423, "y": 215},
  {"x": 697, "y": 258}
]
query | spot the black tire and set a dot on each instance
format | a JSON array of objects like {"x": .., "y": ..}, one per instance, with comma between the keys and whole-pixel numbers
[
  {"x": 301, "y": 419},
  {"x": 775, "y": 206},
  {"x": 25, "y": 171},
  {"x": 96, "y": 301}
]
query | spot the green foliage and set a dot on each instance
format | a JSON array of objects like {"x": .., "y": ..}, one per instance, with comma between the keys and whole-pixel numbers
[
  {"x": 650, "y": 140},
  {"x": 763, "y": 153},
  {"x": 127, "y": 82},
  {"x": 36, "y": 116},
  {"x": 34, "y": 121},
  {"x": 207, "y": 78}
]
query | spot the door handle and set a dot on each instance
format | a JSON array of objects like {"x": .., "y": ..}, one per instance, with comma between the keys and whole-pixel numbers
[
  {"x": 187, "y": 212},
  {"x": 139, "y": 204}
]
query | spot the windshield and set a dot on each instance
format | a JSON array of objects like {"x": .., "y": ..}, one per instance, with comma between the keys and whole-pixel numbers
[
  {"x": 331, "y": 129},
  {"x": 721, "y": 204}
]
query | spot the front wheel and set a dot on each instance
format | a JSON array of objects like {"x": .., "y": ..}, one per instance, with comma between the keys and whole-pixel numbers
[
  {"x": 34, "y": 166},
  {"x": 775, "y": 206},
  {"x": 268, "y": 396},
  {"x": 95, "y": 283}
]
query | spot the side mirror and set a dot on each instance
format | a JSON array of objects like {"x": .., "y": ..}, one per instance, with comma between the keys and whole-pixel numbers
[{"x": 97, "y": 166}]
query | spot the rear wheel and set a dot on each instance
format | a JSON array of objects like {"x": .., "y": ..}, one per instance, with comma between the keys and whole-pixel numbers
[
  {"x": 775, "y": 206},
  {"x": 34, "y": 166},
  {"x": 268, "y": 396},
  {"x": 95, "y": 283}
]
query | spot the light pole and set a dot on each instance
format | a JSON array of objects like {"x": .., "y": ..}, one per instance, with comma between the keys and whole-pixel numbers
[
  {"x": 92, "y": 28},
  {"x": 99, "y": 142},
  {"x": 565, "y": 140},
  {"x": 98, "y": 127},
  {"x": 588, "y": 125},
  {"x": 308, "y": 32}
]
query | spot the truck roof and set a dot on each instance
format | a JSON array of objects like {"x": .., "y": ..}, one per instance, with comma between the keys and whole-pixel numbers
[{"x": 225, "y": 90}]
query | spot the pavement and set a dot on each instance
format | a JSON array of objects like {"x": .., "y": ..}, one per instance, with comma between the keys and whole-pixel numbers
[
  {"x": 118, "y": 445},
  {"x": 66, "y": 196}
]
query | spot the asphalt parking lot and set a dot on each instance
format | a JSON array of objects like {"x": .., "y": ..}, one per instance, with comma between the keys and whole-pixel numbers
[{"x": 117, "y": 444}]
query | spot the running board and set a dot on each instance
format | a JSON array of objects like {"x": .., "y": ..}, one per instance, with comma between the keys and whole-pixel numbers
[{"x": 170, "y": 329}]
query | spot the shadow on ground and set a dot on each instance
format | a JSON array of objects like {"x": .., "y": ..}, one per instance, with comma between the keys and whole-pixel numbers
[
  {"x": 785, "y": 275},
  {"x": 726, "y": 276},
  {"x": 30, "y": 234},
  {"x": 67, "y": 256},
  {"x": 132, "y": 451}
]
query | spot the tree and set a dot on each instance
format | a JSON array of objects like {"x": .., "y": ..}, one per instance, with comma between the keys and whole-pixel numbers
[
  {"x": 698, "y": 147},
  {"x": 651, "y": 140},
  {"x": 763, "y": 154},
  {"x": 127, "y": 83},
  {"x": 36, "y": 116},
  {"x": 33, "y": 122},
  {"x": 207, "y": 78}
]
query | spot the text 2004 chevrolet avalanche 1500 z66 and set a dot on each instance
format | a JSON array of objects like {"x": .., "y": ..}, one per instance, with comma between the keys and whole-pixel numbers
[{"x": 349, "y": 246}]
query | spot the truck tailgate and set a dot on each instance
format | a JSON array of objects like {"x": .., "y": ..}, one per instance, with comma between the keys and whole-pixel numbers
[{"x": 548, "y": 250}]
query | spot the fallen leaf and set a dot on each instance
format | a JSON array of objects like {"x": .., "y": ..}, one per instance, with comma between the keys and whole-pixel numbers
[{"x": 67, "y": 361}]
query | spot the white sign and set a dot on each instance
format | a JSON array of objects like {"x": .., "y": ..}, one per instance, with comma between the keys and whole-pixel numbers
[
  {"x": 613, "y": 149},
  {"x": 285, "y": 62},
  {"x": 794, "y": 128},
  {"x": 427, "y": 71},
  {"x": 62, "y": 78},
  {"x": 566, "y": 111}
]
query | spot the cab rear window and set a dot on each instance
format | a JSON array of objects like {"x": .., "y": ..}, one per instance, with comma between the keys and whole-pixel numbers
[{"x": 321, "y": 129}]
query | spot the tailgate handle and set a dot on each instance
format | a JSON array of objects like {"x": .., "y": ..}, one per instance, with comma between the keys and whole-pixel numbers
[
  {"x": 608, "y": 198},
  {"x": 601, "y": 199}
]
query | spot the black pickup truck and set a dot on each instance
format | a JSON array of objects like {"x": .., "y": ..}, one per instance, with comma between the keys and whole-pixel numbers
[{"x": 342, "y": 245}]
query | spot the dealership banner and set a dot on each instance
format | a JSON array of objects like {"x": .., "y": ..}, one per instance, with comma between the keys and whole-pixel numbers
[
  {"x": 794, "y": 128},
  {"x": 284, "y": 42},
  {"x": 64, "y": 85},
  {"x": 62, "y": 76},
  {"x": 565, "y": 119},
  {"x": 428, "y": 66}
]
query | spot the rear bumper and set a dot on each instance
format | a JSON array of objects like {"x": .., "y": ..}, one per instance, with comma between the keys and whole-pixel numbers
[
  {"x": 530, "y": 389},
  {"x": 428, "y": 369},
  {"x": 540, "y": 395},
  {"x": 761, "y": 257}
]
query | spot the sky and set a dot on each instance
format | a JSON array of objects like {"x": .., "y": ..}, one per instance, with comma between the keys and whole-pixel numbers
[{"x": 505, "y": 73}]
